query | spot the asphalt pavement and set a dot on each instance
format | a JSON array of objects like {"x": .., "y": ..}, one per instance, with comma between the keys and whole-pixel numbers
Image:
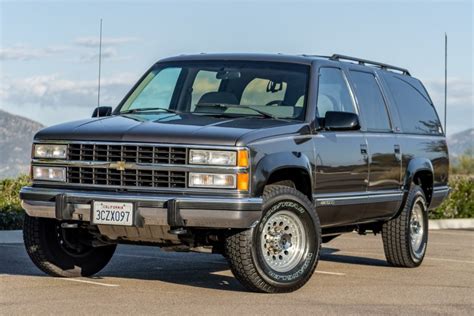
[{"x": 352, "y": 278}]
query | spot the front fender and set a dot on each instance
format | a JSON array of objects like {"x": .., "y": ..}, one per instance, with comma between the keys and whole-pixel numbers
[{"x": 271, "y": 163}]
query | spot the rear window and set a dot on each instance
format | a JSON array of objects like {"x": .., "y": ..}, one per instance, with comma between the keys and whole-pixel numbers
[{"x": 417, "y": 114}]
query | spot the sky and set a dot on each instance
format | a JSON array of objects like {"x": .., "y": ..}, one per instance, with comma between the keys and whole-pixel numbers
[{"x": 49, "y": 49}]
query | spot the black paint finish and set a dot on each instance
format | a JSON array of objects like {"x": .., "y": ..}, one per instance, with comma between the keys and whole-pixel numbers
[{"x": 355, "y": 176}]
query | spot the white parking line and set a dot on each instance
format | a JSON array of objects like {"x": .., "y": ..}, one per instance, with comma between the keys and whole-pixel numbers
[
  {"x": 450, "y": 260},
  {"x": 453, "y": 233},
  {"x": 342, "y": 252},
  {"x": 88, "y": 282},
  {"x": 330, "y": 273}
]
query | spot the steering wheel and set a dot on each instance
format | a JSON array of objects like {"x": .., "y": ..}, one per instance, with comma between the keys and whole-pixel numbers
[{"x": 274, "y": 102}]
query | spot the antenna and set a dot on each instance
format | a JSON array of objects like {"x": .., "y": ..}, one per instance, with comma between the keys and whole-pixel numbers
[
  {"x": 445, "y": 80},
  {"x": 100, "y": 65}
]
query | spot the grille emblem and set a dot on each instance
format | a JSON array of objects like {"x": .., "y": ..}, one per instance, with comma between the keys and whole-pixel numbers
[{"x": 121, "y": 165}]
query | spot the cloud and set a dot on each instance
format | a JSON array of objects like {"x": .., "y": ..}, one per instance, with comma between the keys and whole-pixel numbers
[
  {"x": 52, "y": 91},
  {"x": 460, "y": 92},
  {"x": 107, "y": 41},
  {"x": 460, "y": 102},
  {"x": 108, "y": 53},
  {"x": 23, "y": 52}
]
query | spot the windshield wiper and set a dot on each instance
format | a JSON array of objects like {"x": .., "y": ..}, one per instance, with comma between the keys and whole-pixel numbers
[
  {"x": 139, "y": 110},
  {"x": 228, "y": 106}
]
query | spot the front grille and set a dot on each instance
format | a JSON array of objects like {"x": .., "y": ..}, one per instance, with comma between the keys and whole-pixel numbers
[
  {"x": 129, "y": 178},
  {"x": 133, "y": 177},
  {"x": 128, "y": 153}
]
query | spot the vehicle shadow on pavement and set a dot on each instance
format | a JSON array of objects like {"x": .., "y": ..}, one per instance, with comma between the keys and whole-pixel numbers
[
  {"x": 190, "y": 269},
  {"x": 151, "y": 264},
  {"x": 331, "y": 254}
]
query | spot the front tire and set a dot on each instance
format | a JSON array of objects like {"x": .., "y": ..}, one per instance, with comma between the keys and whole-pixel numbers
[
  {"x": 405, "y": 238},
  {"x": 281, "y": 253},
  {"x": 49, "y": 250}
]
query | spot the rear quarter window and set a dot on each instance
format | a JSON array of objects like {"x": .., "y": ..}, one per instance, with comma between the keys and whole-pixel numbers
[{"x": 417, "y": 113}]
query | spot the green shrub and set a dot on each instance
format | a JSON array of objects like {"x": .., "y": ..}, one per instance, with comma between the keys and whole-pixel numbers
[
  {"x": 460, "y": 203},
  {"x": 11, "y": 213},
  {"x": 464, "y": 165}
]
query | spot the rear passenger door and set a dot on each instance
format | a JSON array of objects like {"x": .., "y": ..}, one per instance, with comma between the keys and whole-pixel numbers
[
  {"x": 341, "y": 166},
  {"x": 384, "y": 186}
]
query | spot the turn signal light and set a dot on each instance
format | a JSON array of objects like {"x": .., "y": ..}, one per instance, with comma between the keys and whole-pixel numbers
[
  {"x": 243, "y": 158},
  {"x": 243, "y": 181}
]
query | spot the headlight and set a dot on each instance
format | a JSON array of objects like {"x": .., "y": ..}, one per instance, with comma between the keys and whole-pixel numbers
[
  {"x": 49, "y": 173},
  {"x": 210, "y": 180},
  {"x": 212, "y": 157},
  {"x": 50, "y": 151}
]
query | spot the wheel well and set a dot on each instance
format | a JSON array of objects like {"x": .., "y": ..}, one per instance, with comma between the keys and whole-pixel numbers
[
  {"x": 293, "y": 177},
  {"x": 424, "y": 179}
]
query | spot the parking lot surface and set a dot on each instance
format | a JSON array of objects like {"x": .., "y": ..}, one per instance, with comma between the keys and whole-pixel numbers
[{"x": 352, "y": 278}]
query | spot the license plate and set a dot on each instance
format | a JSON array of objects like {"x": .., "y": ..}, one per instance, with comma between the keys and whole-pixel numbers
[{"x": 112, "y": 213}]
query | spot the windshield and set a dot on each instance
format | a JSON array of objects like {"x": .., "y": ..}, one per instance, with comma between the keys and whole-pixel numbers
[{"x": 222, "y": 88}]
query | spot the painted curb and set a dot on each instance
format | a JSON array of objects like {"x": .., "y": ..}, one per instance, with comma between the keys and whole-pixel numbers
[
  {"x": 11, "y": 237},
  {"x": 462, "y": 223}
]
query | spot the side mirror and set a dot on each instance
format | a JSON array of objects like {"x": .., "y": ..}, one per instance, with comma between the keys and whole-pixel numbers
[
  {"x": 102, "y": 111},
  {"x": 341, "y": 121}
]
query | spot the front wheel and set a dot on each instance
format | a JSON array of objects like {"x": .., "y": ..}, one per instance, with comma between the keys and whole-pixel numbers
[
  {"x": 282, "y": 251},
  {"x": 405, "y": 237},
  {"x": 63, "y": 252}
]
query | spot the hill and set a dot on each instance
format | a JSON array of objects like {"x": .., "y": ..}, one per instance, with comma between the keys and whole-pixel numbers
[
  {"x": 461, "y": 142},
  {"x": 16, "y": 135}
]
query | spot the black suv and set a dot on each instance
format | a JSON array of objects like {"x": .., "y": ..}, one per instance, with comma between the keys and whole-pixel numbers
[{"x": 260, "y": 158}]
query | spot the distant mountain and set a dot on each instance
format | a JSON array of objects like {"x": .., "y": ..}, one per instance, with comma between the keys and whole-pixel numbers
[
  {"x": 16, "y": 136},
  {"x": 461, "y": 142}
]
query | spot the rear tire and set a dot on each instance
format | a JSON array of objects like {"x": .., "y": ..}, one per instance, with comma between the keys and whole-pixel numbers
[
  {"x": 405, "y": 238},
  {"x": 51, "y": 253},
  {"x": 280, "y": 254}
]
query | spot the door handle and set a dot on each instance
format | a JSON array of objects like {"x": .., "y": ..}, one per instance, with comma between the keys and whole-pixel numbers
[
  {"x": 396, "y": 149},
  {"x": 363, "y": 149}
]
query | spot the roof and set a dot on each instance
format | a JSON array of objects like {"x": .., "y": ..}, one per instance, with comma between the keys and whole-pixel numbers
[{"x": 284, "y": 58}]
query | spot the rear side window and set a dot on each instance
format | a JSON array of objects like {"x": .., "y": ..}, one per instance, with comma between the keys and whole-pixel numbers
[
  {"x": 371, "y": 102},
  {"x": 417, "y": 114}
]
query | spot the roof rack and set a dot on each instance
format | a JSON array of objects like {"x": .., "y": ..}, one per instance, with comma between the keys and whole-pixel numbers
[{"x": 369, "y": 62}]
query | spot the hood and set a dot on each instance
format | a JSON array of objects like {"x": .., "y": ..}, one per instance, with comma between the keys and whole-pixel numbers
[{"x": 170, "y": 128}]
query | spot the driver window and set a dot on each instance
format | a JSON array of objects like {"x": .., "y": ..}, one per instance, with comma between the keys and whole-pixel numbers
[
  {"x": 333, "y": 92},
  {"x": 257, "y": 93}
]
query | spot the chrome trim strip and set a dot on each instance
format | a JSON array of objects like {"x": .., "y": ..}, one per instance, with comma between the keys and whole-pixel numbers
[
  {"x": 139, "y": 166},
  {"x": 355, "y": 195},
  {"x": 220, "y": 219},
  {"x": 178, "y": 191},
  {"x": 192, "y": 146},
  {"x": 357, "y": 198},
  {"x": 39, "y": 209},
  {"x": 441, "y": 189}
]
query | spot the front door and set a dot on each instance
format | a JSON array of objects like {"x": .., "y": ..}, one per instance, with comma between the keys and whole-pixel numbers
[{"x": 341, "y": 169}]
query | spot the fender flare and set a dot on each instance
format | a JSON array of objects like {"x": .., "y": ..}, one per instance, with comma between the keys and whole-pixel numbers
[
  {"x": 272, "y": 163},
  {"x": 414, "y": 166}
]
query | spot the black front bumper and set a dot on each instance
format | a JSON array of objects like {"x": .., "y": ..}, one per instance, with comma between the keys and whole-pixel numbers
[{"x": 151, "y": 209}]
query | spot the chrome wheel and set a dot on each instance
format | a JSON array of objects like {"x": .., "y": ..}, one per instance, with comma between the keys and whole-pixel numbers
[
  {"x": 417, "y": 229},
  {"x": 283, "y": 241}
]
